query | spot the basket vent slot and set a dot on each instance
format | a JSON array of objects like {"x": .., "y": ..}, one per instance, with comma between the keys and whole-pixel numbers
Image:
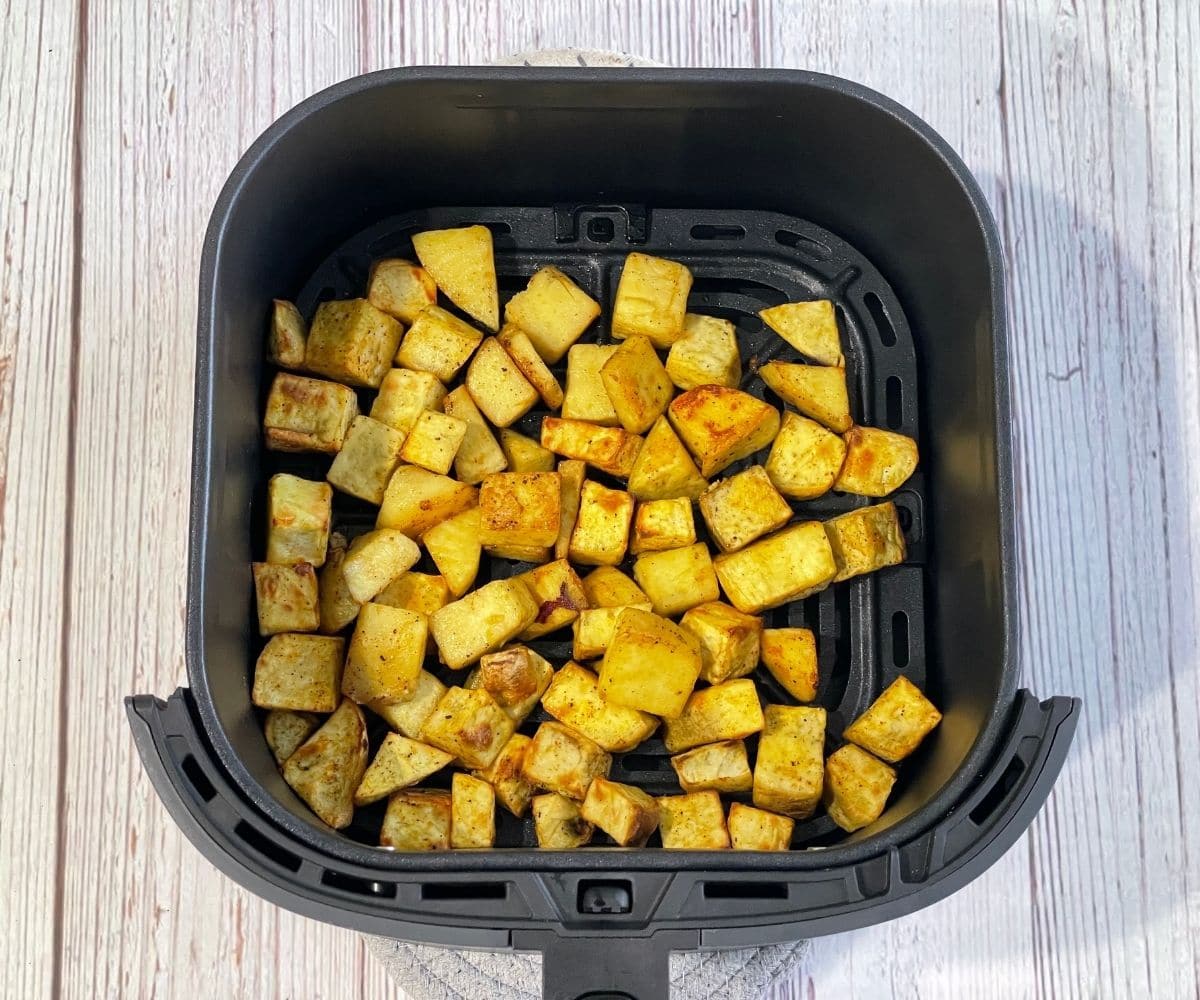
[
  {"x": 707, "y": 232},
  {"x": 463, "y": 891},
  {"x": 745, "y": 890},
  {"x": 1000, "y": 791},
  {"x": 358, "y": 886},
  {"x": 645, "y": 762},
  {"x": 198, "y": 778},
  {"x": 802, "y": 244},
  {"x": 267, "y": 847},
  {"x": 887, "y": 332},
  {"x": 900, "y": 655},
  {"x": 894, "y": 402}
]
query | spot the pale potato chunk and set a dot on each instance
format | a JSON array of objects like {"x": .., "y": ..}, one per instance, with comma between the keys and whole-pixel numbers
[
  {"x": 625, "y": 813},
  {"x": 677, "y": 579},
  {"x": 693, "y": 822},
  {"x": 286, "y": 730},
  {"x": 525, "y": 356},
  {"x": 438, "y": 342},
  {"x": 557, "y": 823},
  {"x": 865, "y": 540},
  {"x": 574, "y": 698},
  {"x": 386, "y": 652},
  {"x": 480, "y": 454},
  {"x": 651, "y": 664},
  {"x": 790, "y": 654},
  {"x": 564, "y": 761},
  {"x": 637, "y": 384},
  {"x": 707, "y": 354},
  {"x": 328, "y": 767},
  {"x": 308, "y": 414},
  {"x": 463, "y": 264},
  {"x": 352, "y": 342},
  {"x": 287, "y": 335},
  {"x": 663, "y": 469},
  {"x": 420, "y": 592},
  {"x": 857, "y": 787},
  {"x": 877, "y": 462},
  {"x": 721, "y": 426},
  {"x": 586, "y": 398},
  {"x": 524, "y": 454},
  {"x": 338, "y": 608},
  {"x": 298, "y": 516},
  {"x": 895, "y": 723},
  {"x": 408, "y": 717},
  {"x": 455, "y": 549},
  {"x": 559, "y": 594},
  {"x": 608, "y": 587},
  {"x": 753, "y": 829},
  {"x": 376, "y": 559},
  {"x": 553, "y": 312},
  {"x": 399, "y": 763},
  {"x": 472, "y": 812},
  {"x": 815, "y": 391},
  {"x": 416, "y": 500},
  {"x": 729, "y": 640},
  {"x": 286, "y": 597},
  {"x": 400, "y": 288},
  {"x": 742, "y": 508},
  {"x": 810, "y": 327},
  {"x": 728, "y": 711},
  {"x": 404, "y": 395},
  {"x": 651, "y": 299},
  {"x": 805, "y": 458},
  {"x": 482, "y": 621},
  {"x": 663, "y": 524},
  {"x": 513, "y": 792},
  {"x": 593, "y": 629},
  {"x": 610, "y": 449},
  {"x": 434, "y": 441},
  {"x": 519, "y": 508},
  {"x": 787, "y": 566},
  {"x": 515, "y": 677},
  {"x": 299, "y": 672},
  {"x": 417, "y": 819},
  {"x": 790, "y": 768},
  {"x": 367, "y": 459},
  {"x": 496, "y": 384},
  {"x": 722, "y": 767},
  {"x": 470, "y": 725},
  {"x": 601, "y": 533}
]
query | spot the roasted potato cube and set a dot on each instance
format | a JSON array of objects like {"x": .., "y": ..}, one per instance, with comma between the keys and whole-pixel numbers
[
  {"x": 877, "y": 462},
  {"x": 299, "y": 672},
  {"x": 472, "y": 812},
  {"x": 707, "y": 354},
  {"x": 420, "y": 592},
  {"x": 651, "y": 299},
  {"x": 625, "y": 813},
  {"x": 496, "y": 384},
  {"x": 559, "y": 594},
  {"x": 593, "y": 630},
  {"x": 753, "y": 829},
  {"x": 480, "y": 454},
  {"x": 404, "y": 395},
  {"x": 790, "y": 768},
  {"x": 728, "y": 711},
  {"x": 386, "y": 652},
  {"x": 574, "y": 698},
  {"x": 337, "y": 607},
  {"x": 524, "y": 454},
  {"x": 416, "y": 500},
  {"x": 865, "y": 540},
  {"x": 677, "y": 579},
  {"x": 557, "y": 823},
  {"x": 721, "y": 426},
  {"x": 408, "y": 717},
  {"x": 553, "y": 312},
  {"x": 328, "y": 766},
  {"x": 608, "y": 587},
  {"x": 434, "y": 441},
  {"x": 693, "y": 822},
  {"x": 463, "y": 264},
  {"x": 651, "y": 664},
  {"x": 637, "y": 384},
  {"x": 351, "y": 341},
  {"x": 601, "y": 533},
  {"x": 564, "y": 761},
  {"x": 308, "y": 414},
  {"x": 663, "y": 469},
  {"x": 417, "y": 819},
  {"x": 722, "y": 767},
  {"x": 286, "y": 597},
  {"x": 790, "y": 654},
  {"x": 376, "y": 559},
  {"x": 515, "y": 677},
  {"x": 810, "y": 327},
  {"x": 663, "y": 524},
  {"x": 400, "y": 288},
  {"x": 787, "y": 566},
  {"x": 482, "y": 621},
  {"x": 519, "y": 508},
  {"x": 512, "y": 790},
  {"x": 298, "y": 516},
  {"x": 455, "y": 548},
  {"x": 814, "y": 390},
  {"x": 367, "y": 460},
  {"x": 518, "y": 552},
  {"x": 729, "y": 640},
  {"x": 895, "y": 723},
  {"x": 525, "y": 356},
  {"x": 438, "y": 342},
  {"x": 805, "y": 458},
  {"x": 742, "y": 508},
  {"x": 286, "y": 730},
  {"x": 586, "y": 398},
  {"x": 857, "y": 787},
  {"x": 399, "y": 763},
  {"x": 470, "y": 725},
  {"x": 610, "y": 449},
  {"x": 287, "y": 335}
]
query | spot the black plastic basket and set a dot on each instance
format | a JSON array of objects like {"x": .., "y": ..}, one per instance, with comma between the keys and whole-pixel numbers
[{"x": 770, "y": 186}]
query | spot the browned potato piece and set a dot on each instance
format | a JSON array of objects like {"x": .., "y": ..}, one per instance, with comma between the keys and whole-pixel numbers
[
  {"x": 386, "y": 652},
  {"x": 721, "y": 426},
  {"x": 586, "y": 398},
  {"x": 790, "y": 654},
  {"x": 480, "y": 454},
  {"x": 651, "y": 664},
  {"x": 601, "y": 533},
  {"x": 525, "y": 356},
  {"x": 287, "y": 598},
  {"x": 308, "y": 414},
  {"x": 472, "y": 812},
  {"x": 564, "y": 761},
  {"x": 376, "y": 559},
  {"x": 404, "y": 395},
  {"x": 557, "y": 823},
  {"x": 438, "y": 342},
  {"x": 625, "y": 813},
  {"x": 608, "y": 587},
  {"x": 722, "y": 767},
  {"x": 434, "y": 441},
  {"x": 482, "y": 622},
  {"x": 677, "y": 579},
  {"x": 728, "y": 711},
  {"x": 515, "y": 677},
  {"x": 399, "y": 763},
  {"x": 367, "y": 460},
  {"x": 593, "y": 630},
  {"x": 455, "y": 549},
  {"x": 663, "y": 469},
  {"x": 693, "y": 822},
  {"x": 286, "y": 730},
  {"x": 707, "y": 354},
  {"x": 663, "y": 524},
  {"x": 416, "y": 500},
  {"x": 729, "y": 640},
  {"x": 299, "y": 672},
  {"x": 352, "y": 342},
  {"x": 496, "y": 384},
  {"x": 742, "y": 508},
  {"x": 570, "y": 473},
  {"x": 789, "y": 771},
  {"x": 810, "y": 327},
  {"x": 408, "y": 717},
  {"x": 895, "y": 723},
  {"x": 609, "y": 449},
  {"x": 573, "y": 698},
  {"x": 637, "y": 384},
  {"x": 400, "y": 288},
  {"x": 327, "y": 768},
  {"x": 338, "y": 609},
  {"x": 417, "y": 819},
  {"x": 651, "y": 299},
  {"x": 815, "y": 391},
  {"x": 420, "y": 592},
  {"x": 469, "y": 725},
  {"x": 559, "y": 594},
  {"x": 786, "y": 566},
  {"x": 287, "y": 336},
  {"x": 298, "y": 516},
  {"x": 524, "y": 454},
  {"x": 805, "y": 458},
  {"x": 865, "y": 540},
  {"x": 512, "y": 790},
  {"x": 877, "y": 462},
  {"x": 519, "y": 508},
  {"x": 857, "y": 787},
  {"x": 753, "y": 829},
  {"x": 463, "y": 264},
  {"x": 553, "y": 311}
]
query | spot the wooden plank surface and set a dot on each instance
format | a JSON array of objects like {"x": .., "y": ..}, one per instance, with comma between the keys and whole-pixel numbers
[{"x": 121, "y": 123}]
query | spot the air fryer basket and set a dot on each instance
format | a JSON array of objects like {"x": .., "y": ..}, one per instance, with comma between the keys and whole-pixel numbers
[{"x": 770, "y": 186}]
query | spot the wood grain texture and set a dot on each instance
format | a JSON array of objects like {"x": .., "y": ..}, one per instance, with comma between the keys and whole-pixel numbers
[{"x": 1080, "y": 121}]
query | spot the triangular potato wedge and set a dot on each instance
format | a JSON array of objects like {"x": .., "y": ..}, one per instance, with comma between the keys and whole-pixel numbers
[
  {"x": 663, "y": 469},
  {"x": 327, "y": 769},
  {"x": 400, "y": 762},
  {"x": 814, "y": 390},
  {"x": 462, "y": 263},
  {"x": 455, "y": 547},
  {"x": 721, "y": 425},
  {"x": 810, "y": 327}
]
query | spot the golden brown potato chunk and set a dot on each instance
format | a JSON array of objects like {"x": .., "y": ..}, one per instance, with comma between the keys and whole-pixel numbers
[
  {"x": 408, "y": 717},
  {"x": 308, "y": 414},
  {"x": 472, "y": 812},
  {"x": 693, "y": 822},
  {"x": 553, "y": 312},
  {"x": 895, "y": 723},
  {"x": 513, "y": 792},
  {"x": 574, "y": 698},
  {"x": 482, "y": 621},
  {"x": 420, "y": 592},
  {"x": 286, "y": 730},
  {"x": 721, "y": 426},
  {"x": 677, "y": 579},
  {"x": 367, "y": 460},
  {"x": 663, "y": 469},
  {"x": 399, "y": 763},
  {"x": 706, "y": 355},
  {"x": 469, "y": 725},
  {"x": 416, "y": 500},
  {"x": 455, "y": 549},
  {"x": 729, "y": 640},
  {"x": 404, "y": 395},
  {"x": 376, "y": 559},
  {"x": 786, "y": 566},
  {"x": 753, "y": 829},
  {"x": 519, "y": 508},
  {"x": 386, "y": 652},
  {"x": 728, "y": 711},
  {"x": 287, "y": 598},
  {"x": 608, "y": 587},
  {"x": 287, "y": 335},
  {"x": 865, "y": 540},
  {"x": 571, "y": 473},
  {"x": 557, "y": 823},
  {"x": 299, "y": 672},
  {"x": 810, "y": 327},
  {"x": 559, "y": 594},
  {"x": 400, "y": 288},
  {"x": 651, "y": 664},
  {"x": 564, "y": 761},
  {"x": 637, "y": 384},
  {"x": 298, "y": 516},
  {"x": 593, "y": 630},
  {"x": 525, "y": 356},
  {"x": 610, "y": 449},
  {"x": 328, "y": 767},
  {"x": 338, "y": 608},
  {"x": 790, "y": 654},
  {"x": 625, "y": 813},
  {"x": 805, "y": 458},
  {"x": 524, "y": 454},
  {"x": 353, "y": 342},
  {"x": 651, "y": 299},
  {"x": 434, "y": 441},
  {"x": 790, "y": 768},
  {"x": 857, "y": 787},
  {"x": 496, "y": 384},
  {"x": 438, "y": 342},
  {"x": 480, "y": 453},
  {"x": 721, "y": 767},
  {"x": 877, "y": 462},
  {"x": 815, "y": 391},
  {"x": 463, "y": 264},
  {"x": 601, "y": 533},
  {"x": 742, "y": 508},
  {"x": 586, "y": 398},
  {"x": 663, "y": 524},
  {"x": 515, "y": 677},
  {"x": 417, "y": 819}
]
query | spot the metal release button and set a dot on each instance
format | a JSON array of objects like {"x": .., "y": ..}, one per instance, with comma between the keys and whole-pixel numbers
[{"x": 605, "y": 897}]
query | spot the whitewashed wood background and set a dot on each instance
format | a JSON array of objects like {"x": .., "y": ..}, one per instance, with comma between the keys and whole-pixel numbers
[{"x": 119, "y": 122}]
